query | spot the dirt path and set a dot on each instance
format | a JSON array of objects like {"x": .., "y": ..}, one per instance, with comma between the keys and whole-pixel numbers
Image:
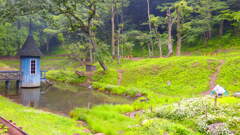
[
  {"x": 120, "y": 76},
  {"x": 213, "y": 77}
]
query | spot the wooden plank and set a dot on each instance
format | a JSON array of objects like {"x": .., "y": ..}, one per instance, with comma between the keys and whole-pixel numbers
[{"x": 12, "y": 128}]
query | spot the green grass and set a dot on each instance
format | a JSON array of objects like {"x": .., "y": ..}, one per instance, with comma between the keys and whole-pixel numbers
[
  {"x": 229, "y": 75},
  {"x": 106, "y": 118},
  {"x": 36, "y": 122},
  {"x": 188, "y": 75}
]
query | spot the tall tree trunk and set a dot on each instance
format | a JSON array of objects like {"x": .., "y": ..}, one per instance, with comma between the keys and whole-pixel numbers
[
  {"x": 150, "y": 28},
  {"x": 160, "y": 47},
  {"x": 94, "y": 47},
  {"x": 209, "y": 25},
  {"x": 221, "y": 28},
  {"x": 118, "y": 47},
  {"x": 170, "y": 23},
  {"x": 149, "y": 50},
  {"x": 91, "y": 55},
  {"x": 18, "y": 36},
  {"x": 179, "y": 33},
  {"x": 113, "y": 28},
  {"x": 47, "y": 44}
]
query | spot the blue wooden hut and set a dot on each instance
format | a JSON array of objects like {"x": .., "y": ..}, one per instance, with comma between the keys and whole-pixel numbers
[{"x": 30, "y": 62}]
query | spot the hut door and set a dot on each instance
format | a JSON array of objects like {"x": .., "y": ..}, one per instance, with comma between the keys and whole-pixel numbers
[{"x": 33, "y": 67}]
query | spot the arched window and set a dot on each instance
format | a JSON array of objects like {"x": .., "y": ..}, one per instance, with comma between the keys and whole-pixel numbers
[{"x": 33, "y": 67}]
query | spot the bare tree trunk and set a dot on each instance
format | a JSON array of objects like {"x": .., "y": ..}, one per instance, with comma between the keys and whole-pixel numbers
[
  {"x": 113, "y": 29},
  {"x": 170, "y": 23},
  {"x": 118, "y": 47},
  {"x": 209, "y": 25},
  {"x": 94, "y": 45},
  {"x": 47, "y": 44},
  {"x": 179, "y": 34},
  {"x": 209, "y": 31},
  {"x": 91, "y": 55},
  {"x": 150, "y": 27},
  {"x": 221, "y": 27},
  {"x": 205, "y": 35},
  {"x": 160, "y": 47},
  {"x": 149, "y": 50}
]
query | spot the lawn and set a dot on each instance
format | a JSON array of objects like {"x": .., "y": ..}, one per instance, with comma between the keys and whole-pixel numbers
[{"x": 37, "y": 122}]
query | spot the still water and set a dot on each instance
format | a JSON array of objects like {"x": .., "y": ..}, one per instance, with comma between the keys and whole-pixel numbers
[{"x": 61, "y": 98}]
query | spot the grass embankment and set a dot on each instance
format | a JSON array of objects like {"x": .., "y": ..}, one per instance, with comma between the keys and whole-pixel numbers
[
  {"x": 186, "y": 75},
  {"x": 36, "y": 122},
  {"x": 162, "y": 81}
]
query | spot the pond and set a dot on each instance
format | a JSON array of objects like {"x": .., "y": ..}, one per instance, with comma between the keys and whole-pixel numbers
[{"x": 61, "y": 98}]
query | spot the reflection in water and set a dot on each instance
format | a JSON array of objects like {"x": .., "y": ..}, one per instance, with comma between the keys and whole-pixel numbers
[
  {"x": 61, "y": 99},
  {"x": 30, "y": 97}
]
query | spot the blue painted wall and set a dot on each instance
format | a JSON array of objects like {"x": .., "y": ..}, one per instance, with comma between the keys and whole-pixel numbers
[{"x": 28, "y": 79}]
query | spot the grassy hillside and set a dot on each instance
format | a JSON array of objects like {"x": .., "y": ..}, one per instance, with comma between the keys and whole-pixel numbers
[{"x": 167, "y": 80}]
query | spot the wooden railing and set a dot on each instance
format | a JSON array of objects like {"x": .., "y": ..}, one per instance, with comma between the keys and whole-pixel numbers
[
  {"x": 43, "y": 75},
  {"x": 16, "y": 75},
  {"x": 10, "y": 75}
]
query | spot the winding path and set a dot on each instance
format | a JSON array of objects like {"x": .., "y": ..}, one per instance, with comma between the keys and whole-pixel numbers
[{"x": 213, "y": 77}]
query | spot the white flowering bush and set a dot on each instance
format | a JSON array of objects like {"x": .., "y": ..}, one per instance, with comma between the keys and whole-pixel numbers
[
  {"x": 187, "y": 108},
  {"x": 208, "y": 118}
]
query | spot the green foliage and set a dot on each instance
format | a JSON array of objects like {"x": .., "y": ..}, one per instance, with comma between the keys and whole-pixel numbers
[
  {"x": 11, "y": 39},
  {"x": 65, "y": 76},
  {"x": 225, "y": 42},
  {"x": 3, "y": 129}
]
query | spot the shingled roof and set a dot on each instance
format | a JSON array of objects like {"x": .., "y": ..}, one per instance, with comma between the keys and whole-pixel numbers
[{"x": 29, "y": 48}]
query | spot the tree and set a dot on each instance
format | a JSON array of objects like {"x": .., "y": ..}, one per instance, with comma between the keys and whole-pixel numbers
[
  {"x": 156, "y": 23},
  {"x": 182, "y": 10},
  {"x": 82, "y": 16},
  {"x": 205, "y": 9},
  {"x": 170, "y": 21}
]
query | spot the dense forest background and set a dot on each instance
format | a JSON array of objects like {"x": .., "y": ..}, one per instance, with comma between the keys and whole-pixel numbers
[{"x": 94, "y": 30}]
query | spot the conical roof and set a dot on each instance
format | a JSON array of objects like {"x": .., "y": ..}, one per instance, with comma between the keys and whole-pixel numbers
[{"x": 29, "y": 48}]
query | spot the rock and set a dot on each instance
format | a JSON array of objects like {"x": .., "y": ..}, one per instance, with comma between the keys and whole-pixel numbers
[
  {"x": 86, "y": 130},
  {"x": 99, "y": 134},
  {"x": 138, "y": 95},
  {"x": 237, "y": 94},
  {"x": 82, "y": 123}
]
